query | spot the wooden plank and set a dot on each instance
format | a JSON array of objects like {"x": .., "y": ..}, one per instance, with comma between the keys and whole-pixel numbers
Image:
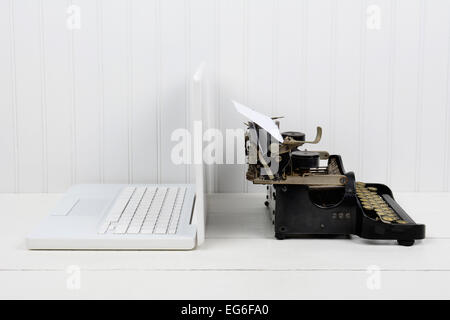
[
  {"x": 231, "y": 66},
  {"x": 432, "y": 114},
  {"x": 202, "y": 40},
  {"x": 242, "y": 254},
  {"x": 173, "y": 108},
  {"x": 142, "y": 284},
  {"x": 350, "y": 27},
  {"x": 8, "y": 142},
  {"x": 117, "y": 95},
  {"x": 403, "y": 133},
  {"x": 288, "y": 76},
  {"x": 87, "y": 94},
  {"x": 57, "y": 94},
  {"x": 375, "y": 102},
  {"x": 144, "y": 66},
  {"x": 319, "y": 62},
  {"x": 30, "y": 104},
  {"x": 260, "y": 62}
]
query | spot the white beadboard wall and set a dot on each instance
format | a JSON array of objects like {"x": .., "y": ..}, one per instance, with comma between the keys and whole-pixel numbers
[{"x": 98, "y": 104}]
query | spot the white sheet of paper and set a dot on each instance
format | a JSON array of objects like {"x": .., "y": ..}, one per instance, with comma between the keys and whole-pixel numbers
[{"x": 262, "y": 120}]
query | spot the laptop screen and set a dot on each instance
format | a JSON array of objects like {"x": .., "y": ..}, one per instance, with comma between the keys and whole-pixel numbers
[{"x": 199, "y": 108}]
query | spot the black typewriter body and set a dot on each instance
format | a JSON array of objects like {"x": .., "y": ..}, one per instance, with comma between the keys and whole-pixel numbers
[{"x": 306, "y": 199}]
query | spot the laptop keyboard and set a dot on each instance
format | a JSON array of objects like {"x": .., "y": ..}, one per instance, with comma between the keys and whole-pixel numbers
[{"x": 145, "y": 210}]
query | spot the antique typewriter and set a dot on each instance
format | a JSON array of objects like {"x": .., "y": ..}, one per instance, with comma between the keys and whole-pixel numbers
[{"x": 308, "y": 199}]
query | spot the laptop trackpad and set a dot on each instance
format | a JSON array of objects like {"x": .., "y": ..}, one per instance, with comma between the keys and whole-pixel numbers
[
  {"x": 89, "y": 207},
  {"x": 76, "y": 206}
]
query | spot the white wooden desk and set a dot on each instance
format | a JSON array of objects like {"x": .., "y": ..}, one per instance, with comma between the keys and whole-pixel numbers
[{"x": 240, "y": 259}]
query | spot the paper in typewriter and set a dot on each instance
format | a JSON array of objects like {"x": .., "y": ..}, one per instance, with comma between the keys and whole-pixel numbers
[{"x": 262, "y": 120}]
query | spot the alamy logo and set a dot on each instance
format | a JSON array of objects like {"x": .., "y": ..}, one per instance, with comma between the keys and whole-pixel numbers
[
  {"x": 373, "y": 19},
  {"x": 73, "y": 21},
  {"x": 261, "y": 147},
  {"x": 73, "y": 281},
  {"x": 373, "y": 281}
]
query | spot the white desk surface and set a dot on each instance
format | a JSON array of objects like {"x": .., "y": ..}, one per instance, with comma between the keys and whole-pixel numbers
[{"x": 239, "y": 260}]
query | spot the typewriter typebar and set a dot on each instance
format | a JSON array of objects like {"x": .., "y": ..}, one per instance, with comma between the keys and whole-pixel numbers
[{"x": 306, "y": 199}]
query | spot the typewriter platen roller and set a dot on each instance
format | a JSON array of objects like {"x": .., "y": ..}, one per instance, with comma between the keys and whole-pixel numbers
[{"x": 307, "y": 199}]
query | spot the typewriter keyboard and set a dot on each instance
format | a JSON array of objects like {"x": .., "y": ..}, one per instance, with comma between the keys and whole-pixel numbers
[{"x": 375, "y": 205}]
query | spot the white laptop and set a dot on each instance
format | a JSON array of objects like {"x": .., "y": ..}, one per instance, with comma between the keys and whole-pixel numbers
[{"x": 130, "y": 217}]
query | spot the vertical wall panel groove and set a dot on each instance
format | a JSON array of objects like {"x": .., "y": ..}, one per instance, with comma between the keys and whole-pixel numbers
[
  {"x": 173, "y": 95},
  {"x": 14, "y": 96},
  {"x": 218, "y": 67},
  {"x": 56, "y": 97},
  {"x": 188, "y": 73},
  {"x": 144, "y": 66},
  {"x": 29, "y": 94},
  {"x": 245, "y": 66},
  {"x": 391, "y": 87},
  {"x": 130, "y": 90},
  {"x": 304, "y": 67},
  {"x": 117, "y": 90},
  {"x": 231, "y": 84},
  {"x": 275, "y": 30},
  {"x": 288, "y": 71},
  {"x": 43, "y": 99},
  {"x": 333, "y": 27},
  {"x": 405, "y": 87},
  {"x": 434, "y": 97},
  {"x": 101, "y": 90},
  {"x": 376, "y": 90},
  {"x": 362, "y": 77},
  {"x": 346, "y": 89},
  {"x": 419, "y": 105},
  {"x": 261, "y": 26},
  {"x": 447, "y": 122},
  {"x": 8, "y": 102},
  {"x": 318, "y": 69},
  {"x": 73, "y": 106},
  {"x": 201, "y": 29},
  {"x": 217, "y": 81},
  {"x": 158, "y": 85}
]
